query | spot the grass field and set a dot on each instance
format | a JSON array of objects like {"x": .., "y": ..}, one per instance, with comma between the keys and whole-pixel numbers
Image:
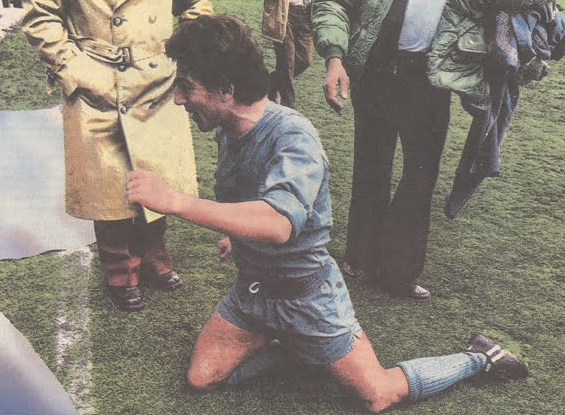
[{"x": 497, "y": 268}]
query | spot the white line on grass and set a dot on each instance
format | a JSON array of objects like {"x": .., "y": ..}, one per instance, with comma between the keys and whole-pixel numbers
[{"x": 74, "y": 355}]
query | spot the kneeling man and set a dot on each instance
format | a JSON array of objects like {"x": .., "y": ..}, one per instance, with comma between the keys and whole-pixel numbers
[{"x": 273, "y": 201}]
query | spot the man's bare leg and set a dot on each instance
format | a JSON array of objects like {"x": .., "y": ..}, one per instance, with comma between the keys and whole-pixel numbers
[
  {"x": 376, "y": 386},
  {"x": 219, "y": 349},
  {"x": 419, "y": 378}
]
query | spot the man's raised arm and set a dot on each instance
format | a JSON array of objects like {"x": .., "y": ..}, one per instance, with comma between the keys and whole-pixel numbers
[{"x": 255, "y": 220}]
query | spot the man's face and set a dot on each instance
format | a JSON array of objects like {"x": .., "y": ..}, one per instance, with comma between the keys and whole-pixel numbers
[{"x": 204, "y": 105}]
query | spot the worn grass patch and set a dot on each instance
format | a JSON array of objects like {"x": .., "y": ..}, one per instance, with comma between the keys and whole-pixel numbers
[{"x": 497, "y": 268}]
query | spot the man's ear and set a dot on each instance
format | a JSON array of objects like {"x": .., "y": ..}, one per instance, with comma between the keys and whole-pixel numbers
[{"x": 227, "y": 92}]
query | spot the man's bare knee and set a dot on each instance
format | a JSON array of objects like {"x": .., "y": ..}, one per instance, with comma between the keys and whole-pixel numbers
[
  {"x": 219, "y": 349},
  {"x": 201, "y": 380}
]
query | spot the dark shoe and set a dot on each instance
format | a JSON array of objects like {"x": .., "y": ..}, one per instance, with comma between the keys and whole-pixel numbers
[
  {"x": 127, "y": 298},
  {"x": 410, "y": 292},
  {"x": 169, "y": 281},
  {"x": 501, "y": 363},
  {"x": 351, "y": 272}
]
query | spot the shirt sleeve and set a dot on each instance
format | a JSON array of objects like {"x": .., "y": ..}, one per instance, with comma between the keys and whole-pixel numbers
[{"x": 294, "y": 175}]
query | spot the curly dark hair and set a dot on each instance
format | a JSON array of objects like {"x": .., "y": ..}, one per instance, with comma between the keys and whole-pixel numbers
[{"x": 220, "y": 51}]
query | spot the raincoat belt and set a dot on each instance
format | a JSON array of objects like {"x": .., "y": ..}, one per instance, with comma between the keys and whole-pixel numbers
[{"x": 119, "y": 55}]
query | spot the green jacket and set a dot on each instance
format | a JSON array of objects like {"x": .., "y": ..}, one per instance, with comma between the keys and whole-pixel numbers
[
  {"x": 348, "y": 28},
  {"x": 458, "y": 52}
]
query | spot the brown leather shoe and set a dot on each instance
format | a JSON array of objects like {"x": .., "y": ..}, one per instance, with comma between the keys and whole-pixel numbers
[
  {"x": 127, "y": 298},
  {"x": 410, "y": 292},
  {"x": 501, "y": 364}
]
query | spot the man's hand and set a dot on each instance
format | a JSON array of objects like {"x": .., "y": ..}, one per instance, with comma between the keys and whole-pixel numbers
[
  {"x": 336, "y": 78},
  {"x": 224, "y": 248},
  {"x": 94, "y": 80},
  {"x": 149, "y": 190}
]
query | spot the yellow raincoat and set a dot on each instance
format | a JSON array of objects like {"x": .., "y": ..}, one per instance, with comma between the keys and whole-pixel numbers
[{"x": 118, "y": 114}]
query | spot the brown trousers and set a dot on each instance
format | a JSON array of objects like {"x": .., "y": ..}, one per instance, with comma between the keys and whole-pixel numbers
[
  {"x": 130, "y": 247},
  {"x": 294, "y": 55}
]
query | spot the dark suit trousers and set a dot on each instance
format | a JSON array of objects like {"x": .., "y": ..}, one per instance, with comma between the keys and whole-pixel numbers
[
  {"x": 131, "y": 246},
  {"x": 394, "y": 100}
]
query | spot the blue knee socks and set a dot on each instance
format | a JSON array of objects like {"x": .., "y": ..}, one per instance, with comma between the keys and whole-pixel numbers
[{"x": 429, "y": 375}]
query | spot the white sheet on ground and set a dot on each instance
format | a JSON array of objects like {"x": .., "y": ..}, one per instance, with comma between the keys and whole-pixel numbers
[
  {"x": 9, "y": 20},
  {"x": 32, "y": 178}
]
